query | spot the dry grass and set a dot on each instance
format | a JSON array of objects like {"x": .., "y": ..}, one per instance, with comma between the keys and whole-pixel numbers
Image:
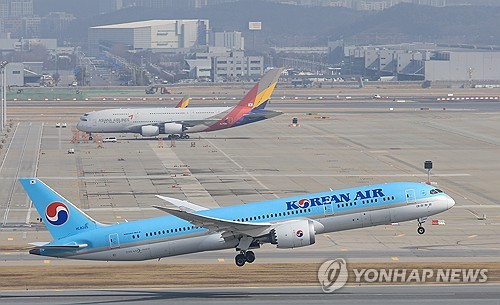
[{"x": 192, "y": 275}]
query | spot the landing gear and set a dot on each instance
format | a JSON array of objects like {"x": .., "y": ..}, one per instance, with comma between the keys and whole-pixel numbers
[
  {"x": 421, "y": 229},
  {"x": 176, "y": 136},
  {"x": 91, "y": 137},
  {"x": 244, "y": 257},
  {"x": 250, "y": 257},
  {"x": 240, "y": 260}
]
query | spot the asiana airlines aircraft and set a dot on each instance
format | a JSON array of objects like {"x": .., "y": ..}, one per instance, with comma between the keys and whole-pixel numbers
[
  {"x": 178, "y": 122},
  {"x": 287, "y": 223}
]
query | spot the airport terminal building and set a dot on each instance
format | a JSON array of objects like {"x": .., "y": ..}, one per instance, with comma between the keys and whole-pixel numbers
[{"x": 154, "y": 35}]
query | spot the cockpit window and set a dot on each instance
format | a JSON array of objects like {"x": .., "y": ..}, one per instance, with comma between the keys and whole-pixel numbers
[
  {"x": 86, "y": 114},
  {"x": 436, "y": 191},
  {"x": 83, "y": 119}
]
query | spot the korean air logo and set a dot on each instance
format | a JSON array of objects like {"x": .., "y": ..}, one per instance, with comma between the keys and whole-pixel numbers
[
  {"x": 299, "y": 233},
  {"x": 57, "y": 213},
  {"x": 304, "y": 203}
]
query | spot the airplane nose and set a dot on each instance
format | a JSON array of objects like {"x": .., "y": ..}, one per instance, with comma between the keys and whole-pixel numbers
[{"x": 451, "y": 202}]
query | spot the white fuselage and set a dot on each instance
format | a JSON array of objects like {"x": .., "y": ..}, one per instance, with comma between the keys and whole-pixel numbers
[{"x": 130, "y": 120}]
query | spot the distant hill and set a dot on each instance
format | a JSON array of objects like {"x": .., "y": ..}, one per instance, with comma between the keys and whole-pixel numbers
[
  {"x": 406, "y": 22},
  {"x": 285, "y": 25}
]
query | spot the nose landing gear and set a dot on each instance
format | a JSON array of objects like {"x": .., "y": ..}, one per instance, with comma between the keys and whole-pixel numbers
[
  {"x": 244, "y": 257},
  {"x": 421, "y": 229}
]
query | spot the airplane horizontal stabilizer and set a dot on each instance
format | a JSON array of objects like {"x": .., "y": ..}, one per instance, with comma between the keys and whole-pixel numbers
[
  {"x": 59, "y": 247},
  {"x": 220, "y": 225}
]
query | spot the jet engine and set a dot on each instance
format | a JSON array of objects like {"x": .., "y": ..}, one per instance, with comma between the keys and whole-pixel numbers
[
  {"x": 150, "y": 131},
  {"x": 173, "y": 128},
  {"x": 293, "y": 234}
]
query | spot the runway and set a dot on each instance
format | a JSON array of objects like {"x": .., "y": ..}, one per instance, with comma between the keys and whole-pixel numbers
[
  {"x": 20, "y": 160},
  {"x": 290, "y": 295}
]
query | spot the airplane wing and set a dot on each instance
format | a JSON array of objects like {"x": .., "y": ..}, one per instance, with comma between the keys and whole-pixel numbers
[
  {"x": 182, "y": 204},
  {"x": 220, "y": 225}
]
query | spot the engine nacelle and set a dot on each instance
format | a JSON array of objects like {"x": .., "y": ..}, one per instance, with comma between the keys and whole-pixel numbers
[
  {"x": 150, "y": 131},
  {"x": 172, "y": 128},
  {"x": 294, "y": 234}
]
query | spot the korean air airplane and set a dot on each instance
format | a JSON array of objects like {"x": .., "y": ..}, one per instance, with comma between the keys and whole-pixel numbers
[
  {"x": 179, "y": 121},
  {"x": 287, "y": 223}
]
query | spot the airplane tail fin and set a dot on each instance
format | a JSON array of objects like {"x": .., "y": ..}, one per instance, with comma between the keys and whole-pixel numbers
[
  {"x": 184, "y": 102},
  {"x": 60, "y": 216},
  {"x": 257, "y": 97},
  {"x": 265, "y": 88}
]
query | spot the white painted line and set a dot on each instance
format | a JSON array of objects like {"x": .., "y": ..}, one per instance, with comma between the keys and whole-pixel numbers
[
  {"x": 29, "y": 203},
  {"x": 8, "y": 148},
  {"x": 241, "y": 167}
]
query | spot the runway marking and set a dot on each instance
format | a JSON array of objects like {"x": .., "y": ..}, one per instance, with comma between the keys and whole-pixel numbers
[
  {"x": 241, "y": 167},
  {"x": 46, "y": 261},
  {"x": 220, "y": 260},
  {"x": 395, "y": 258},
  {"x": 472, "y": 236},
  {"x": 35, "y": 171},
  {"x": 8, "y": 148},
  {"x": 10, "y": 238},
  {"x": 344, "y": 250},
  {"x": 400, "y": 235}
]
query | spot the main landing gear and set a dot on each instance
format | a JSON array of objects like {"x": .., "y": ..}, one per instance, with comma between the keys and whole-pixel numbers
[
  {"x": 176, "y": 136},
  {"x": 90, "y": 136},
  {"x": 421, "y": 229},
  {"x": 244, "y": 257}
]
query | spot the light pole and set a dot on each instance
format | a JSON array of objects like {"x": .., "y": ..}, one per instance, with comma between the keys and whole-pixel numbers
[{"x": 3, "y": 64}]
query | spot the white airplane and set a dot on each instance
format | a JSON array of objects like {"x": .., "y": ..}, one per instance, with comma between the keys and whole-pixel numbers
[
  {"x": 178, "y": 122},
  {"x": 287, "y": 223}
]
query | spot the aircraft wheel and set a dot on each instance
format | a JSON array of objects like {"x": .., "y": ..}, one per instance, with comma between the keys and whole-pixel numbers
[
  {"x": 186, "y": 136},
  {"x": 240, "y": 260},
  {"x": 421, "y": 230},
  {"x": 169, "y": 137},
  {"x": 250, "y": 257},
  {"x": 91, "y": 138}
]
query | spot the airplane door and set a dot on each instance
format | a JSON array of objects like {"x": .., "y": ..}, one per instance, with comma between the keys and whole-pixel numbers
[
  {"x": 113, "y": 241},
  {"x": 410, "y": 196},
  {"x": 367, "y": 222},
  {"x": 328, "y": 208}
]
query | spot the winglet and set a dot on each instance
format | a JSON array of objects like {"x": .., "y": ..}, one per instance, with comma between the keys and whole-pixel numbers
[{"x": 184, "y": 102}]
